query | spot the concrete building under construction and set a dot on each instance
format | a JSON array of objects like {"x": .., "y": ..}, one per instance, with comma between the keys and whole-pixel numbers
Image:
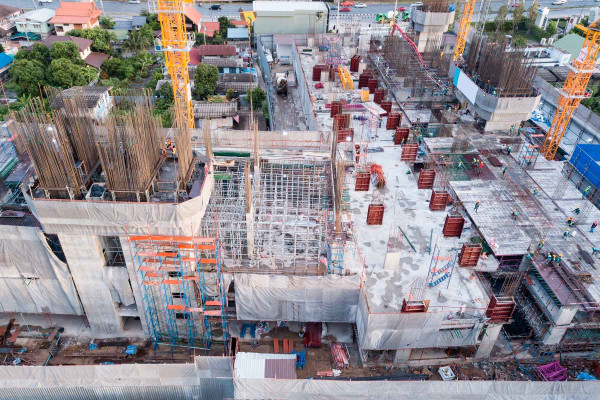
[{"x": 399, "y": 231}]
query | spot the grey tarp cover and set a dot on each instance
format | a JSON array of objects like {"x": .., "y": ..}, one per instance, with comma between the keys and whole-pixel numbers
[
  {"x": 113, "y": 218},
  {"x": 296, "y": 389},
  {"x": 32, "y": 278},
  {"x": 118, "y": 280},
  {"x": 331, "y": 298},
  {"x": 392, "y": 331}
]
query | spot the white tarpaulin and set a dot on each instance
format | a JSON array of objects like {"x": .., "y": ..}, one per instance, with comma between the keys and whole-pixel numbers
[
  {"x": 32, "y": 278},
  {"x": 118, "y": 280},
  {"x": 331, "y": 298}
]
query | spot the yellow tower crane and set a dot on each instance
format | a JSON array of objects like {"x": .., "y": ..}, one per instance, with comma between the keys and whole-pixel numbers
[
  {"x": 463, "y": 29},
  {"x": 176, "y": 43},
  {"x": 574, "y": 89}
]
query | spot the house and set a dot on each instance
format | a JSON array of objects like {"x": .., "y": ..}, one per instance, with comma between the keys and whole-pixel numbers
[
  {"x": 210, "y": 28},
  {"x": 5, "y": 62},
  {"x": 71, "y": 16},
  {"x": 95, "y": 99},
  {"x": 237, "y": 34},
  {"x": 90, "y": 57},
  {"x": 193, "y": 19},
  {"x": 138, "y": 21},
  {"x": 572, "y": 44},
  {"x": 8, "y": 15},
  {"x": 134, "y": 23},
  {"x": 238, "y": 23},
  {"x": 34, "y": 25}
]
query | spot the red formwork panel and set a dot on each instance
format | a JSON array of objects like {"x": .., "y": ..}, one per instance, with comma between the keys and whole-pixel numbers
[
  {"x": 379, "y": 95},
  {"x": 414, "y": 306},
  {"x": 341, "y": 121},
  {"x": 453, "y": 225},
  {"x": 363, "y": 181},
  {"x": 438, "y": 200},
  {"x": 393, "y": 120},
  {"x": 387, "y": 106},
  {"x": 336, "y": 108},
  {"x": 469, "y": 254},
  {"x": 375, "y": 214},
  {"x": 401, "y": 135},
  {"x": 372, "y": 84},
  {"x": 363, "y": 79},
  {"x": 409, "y": 152},
  {"x": 355, "y": 63},
  {"x": 500, "y": 309},
  {"x": 345, "y": 135},
  {"x": 426, "y": 179},
  {"x": 316, "y": 75}
]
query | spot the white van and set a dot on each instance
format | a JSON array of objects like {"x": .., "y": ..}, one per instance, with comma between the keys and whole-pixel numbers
[{"x": 559, "y": 2}]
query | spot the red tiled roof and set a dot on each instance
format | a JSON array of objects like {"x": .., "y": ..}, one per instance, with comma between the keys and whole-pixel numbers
[
  {"x": 211, "y": 27},
  {"x": 75, "y": 13},
  {"x": 193, "y": 15},
  {"x": 195, "y": 56},
  {"x": 217, "y": 50},
  {"x": 96, "y": 59},
  {"x": 238, "y": 23}
]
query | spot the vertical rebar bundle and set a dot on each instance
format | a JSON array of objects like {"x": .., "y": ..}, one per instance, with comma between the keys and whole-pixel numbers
[
  {"x": 50, "y": 150},
  {"x": 132, "y": 150},
  {"x": 183, "y": 142}
]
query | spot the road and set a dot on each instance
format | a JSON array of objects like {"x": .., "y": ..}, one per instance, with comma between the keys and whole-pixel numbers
[{"x": 118, "y": 9}]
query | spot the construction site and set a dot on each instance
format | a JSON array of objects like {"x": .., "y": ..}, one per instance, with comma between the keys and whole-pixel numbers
[{"x": 421, "y": 230}]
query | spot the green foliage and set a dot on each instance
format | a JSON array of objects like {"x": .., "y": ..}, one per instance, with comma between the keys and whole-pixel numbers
[
  {"x": 128, "y": 68},
  {"x": 229, "y": 94},
  {"x": 67, "y": 50},
  {"x": 102, "y": 38},
  {"x": 165, "y": 93},
  {"x": 519, "y": 41},
  {"x": 517, "y": 13},
  {"x": 224, "y": 24},
  {"x": 141, "y": 39},
  {"x": 151, "y": 20},
  {"x": 4, "y": 110},
  {"x": 593, "y": 102},
  {"x": 533, "y": 11},
  {"x": 114, "y": 83},
  {"x": 551, "y": 29},
  {"x": 64, "y": 73},
  {"x": 156, "y": 76},
  {"x": 258, "y": 96},
  {"x": 107, "y": 22},
  {"x": 39, "y": 52},
  {"x": 501, "y": 18},
  {"x": 217, "y": 39},
  {"x": 27, "y": 75},
  {"x": 265, "y": 110},
  {"x": 216, "y": 99},
  {"x": 164, "y": 104},
  {"x": 1, "y": 48},
  {"x": 205, "y": 81}
]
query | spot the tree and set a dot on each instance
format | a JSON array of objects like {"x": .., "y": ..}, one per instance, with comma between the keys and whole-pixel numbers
[
  {"x": 1, "y": 49},
  {"x": 229, "y": 94},
  {"x": 519, "y": 42},
  {"x": 217, "y": 39},
  {"x": 517, "y": 14},
  {"x": 63, "y": 73},
  {"x": 501, "y": 18},
  {"x": 223, "y": 25},
  {"x": 137, "y": 41},
  {"x": 144, "y": 61},
  {"x": 67, "y": 50},
  {"x": 39, "y": 52},
  {"x": 107, "y": 22},
  {"x": 258, "y": 96},
  {"x": 102, "y": 39},
  {"x": 532, "y": 14},
  {"x": 28, "y": 76},
  {"x": 152, "y": 20},
  {"x": 551, "y": 29},
  {"x": 165, "y": 93},
  {"x": 205, "y": 81}
]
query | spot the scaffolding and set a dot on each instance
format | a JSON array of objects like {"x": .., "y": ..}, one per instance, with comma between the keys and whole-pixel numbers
[{"x": 172, "y": 276}]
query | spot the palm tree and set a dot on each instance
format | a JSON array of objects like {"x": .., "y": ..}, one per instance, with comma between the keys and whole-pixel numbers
[{"x": 136, "y": 41}]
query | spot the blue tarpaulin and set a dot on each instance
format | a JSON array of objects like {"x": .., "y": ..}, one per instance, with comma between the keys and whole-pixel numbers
[{"x": 585, "y": 159}]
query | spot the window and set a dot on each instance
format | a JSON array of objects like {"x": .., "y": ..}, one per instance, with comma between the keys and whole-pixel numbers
[
  {"x": 180, "y": 315},
  {"x": 173, "y": 274},
  {"x": 113, "y": 252},
  {"x": 177, "y": 295},
  {"x": 36, "y": 26},
  {"x": 59, "y": 28}
]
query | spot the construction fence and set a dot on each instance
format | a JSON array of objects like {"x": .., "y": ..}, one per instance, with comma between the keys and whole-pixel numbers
[{"x": 266, "y": 73}]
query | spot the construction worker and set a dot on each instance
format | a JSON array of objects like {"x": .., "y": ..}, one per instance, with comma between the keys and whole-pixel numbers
[
  {"x": 535, "y": 191},
  {"x": 530, "y": 255},
  {"x": 508, "y": 149},
  {"x": 515, "y": 214},
  {"x": 594, "y": 225},
  {"x": 174, "y": 151},
  {"x": 577, "y": 211},
  {"x": 594, "y": 250},
  {"x": 460, "y": 164},
  {"x": 553, "y": 257},
  {"x": 477, "y": 205},
  {"x": 164, "y": 152},
  {"x": 512, "y": 128},
  {"x": 549, "y": 257},
  {"x": 586, "y": 191},
  {"x": 567, "y": 233},
  {"x": 168, "y": 143},
  {"x": 541, "y": 244},
  {"x": 504, "y": 169},
  {"x": 570, "y": 221},
  {"x": 558, "y": 258}
]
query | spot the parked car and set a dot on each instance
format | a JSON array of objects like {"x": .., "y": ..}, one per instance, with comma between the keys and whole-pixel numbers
[
  {"x": 345, "y": 9},
  {"x": 333, "y": 8},
  {"x": 361, "y": 5},
  {"x": 401, "y": 9},
  {"x": 134, "y": 1},
  {"x": 215, "y": 7},
  {"x": 347, "y": 4},
  {"x": 45, "y": 1},
  {"x": 559, "y": 2}
]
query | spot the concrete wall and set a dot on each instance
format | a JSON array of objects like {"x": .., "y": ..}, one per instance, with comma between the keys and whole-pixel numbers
[
  {"x": 430, "y": 25},
  {"x": 299, "y": 22},
  {"x": 86, "y": 262}
]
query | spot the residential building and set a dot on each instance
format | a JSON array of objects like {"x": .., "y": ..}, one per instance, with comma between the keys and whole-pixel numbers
[
  {"x": 193, "y": 19},
  {"x": 8, "y": 16},
  {"x": 572, "y": 44},
  {"x": 237, "y": 35},
  {"x": 34, "y": 25},
  {"x": 91, "y": 58},
  {"x": 72, "y": 15},
  {"x": 6, "y": 61}
]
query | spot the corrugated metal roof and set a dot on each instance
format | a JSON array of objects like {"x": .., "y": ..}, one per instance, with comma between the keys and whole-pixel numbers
[
  {"x": 280, "y": 369},
  {"x": 237, "y": 33},
  {"x": 253, "y": 365}
]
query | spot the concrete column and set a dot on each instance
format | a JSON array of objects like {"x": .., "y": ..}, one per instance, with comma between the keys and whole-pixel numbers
[
  {"x": 86, "y": 262},
  {"x": 489, "y": 340},
  {"x": 402, "y": 356},
  {"x": 134, "y": 282}
]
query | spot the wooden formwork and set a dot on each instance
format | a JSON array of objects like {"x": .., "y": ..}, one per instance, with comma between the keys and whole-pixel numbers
[
  {"x": 426, "y": 179},
  {"x": 401, "y": 135},
  {"x": 453, "y": 225},
  {"x": 438, "y": 200},
  {"x": 375, "y": 214},
  {"x": 409, "y": 152},
  {"x": 362, "y": 182},
  {"x": 469, "y": 254}
]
